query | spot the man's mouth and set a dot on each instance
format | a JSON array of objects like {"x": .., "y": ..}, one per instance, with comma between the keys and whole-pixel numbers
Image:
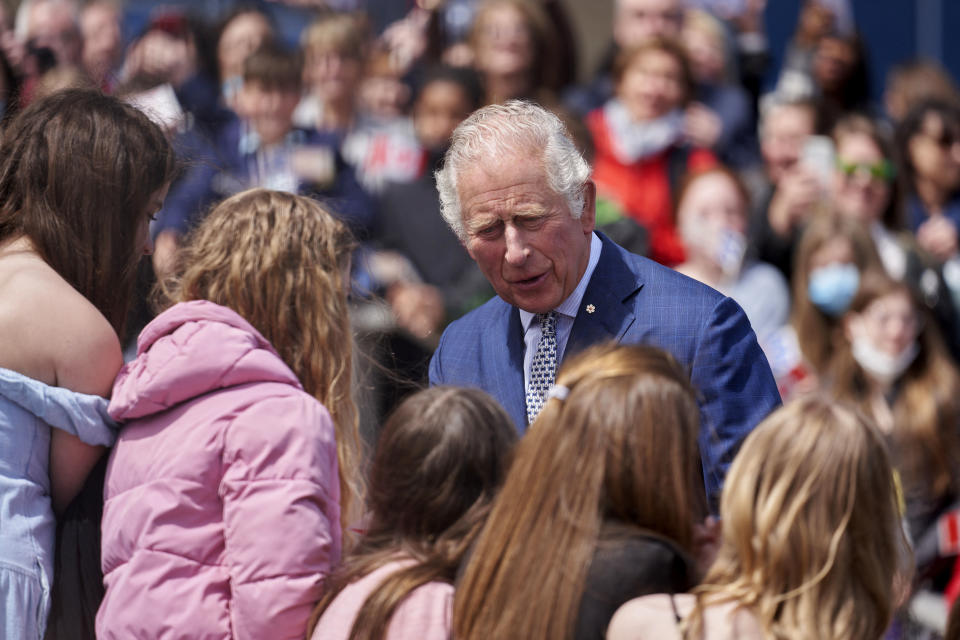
[{"x": 530, "y": 282}]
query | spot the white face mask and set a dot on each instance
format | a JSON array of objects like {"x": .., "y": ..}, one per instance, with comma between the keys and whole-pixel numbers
[
  {"x": 725, "y": 247},
  {"x": 883, "y": 367}
]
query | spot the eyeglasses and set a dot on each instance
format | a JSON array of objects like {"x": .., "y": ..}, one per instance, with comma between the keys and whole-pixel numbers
[{"x": 882, "y": 170}]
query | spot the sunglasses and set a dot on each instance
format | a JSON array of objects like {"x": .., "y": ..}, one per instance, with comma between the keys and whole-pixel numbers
[
  {"x": 882, "y": 170},
  {"x": 945, "y": 140}
]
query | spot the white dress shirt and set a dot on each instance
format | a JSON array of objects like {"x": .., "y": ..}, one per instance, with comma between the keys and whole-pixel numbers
[{"x": 566, "y": 314}]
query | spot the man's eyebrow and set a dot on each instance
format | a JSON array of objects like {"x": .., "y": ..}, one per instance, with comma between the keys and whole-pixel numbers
[
  {"x": 480, "y": 221},
  {"x": 522, "y": 211},
  {"x": 531, "y": 211}
]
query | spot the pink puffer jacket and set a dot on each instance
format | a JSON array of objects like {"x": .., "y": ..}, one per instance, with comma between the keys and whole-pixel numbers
[{"x": 222, "y": 496}]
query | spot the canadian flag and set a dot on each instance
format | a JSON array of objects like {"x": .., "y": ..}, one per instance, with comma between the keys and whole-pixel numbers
[{"x": 948, "y": 532}]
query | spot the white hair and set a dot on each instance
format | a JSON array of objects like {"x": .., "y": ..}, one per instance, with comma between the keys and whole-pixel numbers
[
  {"x": 21, "y": 25},
  {"x": 513, "y": 127}
]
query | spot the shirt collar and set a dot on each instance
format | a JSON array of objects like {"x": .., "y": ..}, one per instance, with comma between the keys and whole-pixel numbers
[
  {"x": 569, "y": 306},
  {"x": 249, "y": 142}
]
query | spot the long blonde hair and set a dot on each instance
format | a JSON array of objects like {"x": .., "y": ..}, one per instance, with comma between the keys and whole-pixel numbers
[
  {"x": 282, "y": 262},
  {"x": 812, "y": 543},
  {"x": 622, "y": 446}
]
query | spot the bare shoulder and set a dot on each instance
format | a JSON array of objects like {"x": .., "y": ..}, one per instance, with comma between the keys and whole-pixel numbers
[
  {"x": 646, "y": 617},
  {"x": 50, "y": 332}
]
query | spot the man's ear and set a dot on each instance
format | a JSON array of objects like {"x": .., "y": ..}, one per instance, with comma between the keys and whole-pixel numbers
[{"x": 588, "y": 216}]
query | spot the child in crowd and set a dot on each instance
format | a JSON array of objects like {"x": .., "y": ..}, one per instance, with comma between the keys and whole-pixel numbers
[
  {"x": 891, "y": 362},
  {"x": 601, "y": 503},
  {"x": 444, "y": 281},
  {"x": 355, "y": 93},
  {"x": 80, "y": 176},
  {"x": 335, "y": 49},
  {"x": 832, "y": 254},
  {"x": 232, "y": 485},
  {"x": 262, "y": 148},
  {"x": 241, "y": 33},
  {"x": 812, "y": 545},
  {"x": 440, "y": 460},
  {"x": 712, "y": 217}
]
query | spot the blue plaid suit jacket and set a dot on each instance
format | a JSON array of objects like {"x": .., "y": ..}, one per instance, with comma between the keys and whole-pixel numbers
[{"x": 636, "y": 301}]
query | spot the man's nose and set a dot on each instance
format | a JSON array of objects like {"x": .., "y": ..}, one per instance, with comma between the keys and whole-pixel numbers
[{"x": 516, "y": 251}]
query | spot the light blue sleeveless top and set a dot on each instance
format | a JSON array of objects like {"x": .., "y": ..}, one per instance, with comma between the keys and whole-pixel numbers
[{"x": 28, "y": 410}]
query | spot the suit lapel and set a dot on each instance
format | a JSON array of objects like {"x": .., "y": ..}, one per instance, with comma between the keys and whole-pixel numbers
[
  {"x": 603, "y": 314},
  {"x": 506, "y": 361}
]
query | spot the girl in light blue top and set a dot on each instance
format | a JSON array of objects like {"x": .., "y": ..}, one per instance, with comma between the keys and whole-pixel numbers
[{"x": 80, "y": 175}]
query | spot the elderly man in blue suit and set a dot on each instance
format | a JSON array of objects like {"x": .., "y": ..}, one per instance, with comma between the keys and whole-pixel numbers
[{"x": 518, "y": 195}]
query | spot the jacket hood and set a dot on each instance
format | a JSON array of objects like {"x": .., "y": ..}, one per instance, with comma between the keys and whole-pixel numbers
[{"x": 191, "y": 349}]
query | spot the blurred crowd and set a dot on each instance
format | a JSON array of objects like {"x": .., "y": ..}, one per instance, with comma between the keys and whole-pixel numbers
[{"x": 833, "y": 220}]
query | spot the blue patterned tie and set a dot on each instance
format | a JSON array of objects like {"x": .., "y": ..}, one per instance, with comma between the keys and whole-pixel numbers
[{"x": 543, "y": 370}]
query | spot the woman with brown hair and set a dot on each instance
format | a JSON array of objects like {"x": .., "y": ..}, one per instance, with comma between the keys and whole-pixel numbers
[
  {"x": 832, "y": 253},
  {"x": 642, "y": 149},
  {"x": 80, "y": 176},
  {"x": 599, "y": 506},
  {"x": 891, "y": 362},
  {"x": 811, "y": 547},
  {"x": 239, "y": 423},
  {"x": 513, "y": 50},
  {"x": 866, "y": 189},
  {"x": 440, "y": 460}
]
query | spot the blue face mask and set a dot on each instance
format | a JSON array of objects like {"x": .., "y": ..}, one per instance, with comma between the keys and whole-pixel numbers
[{"x": 832, "y": 287}]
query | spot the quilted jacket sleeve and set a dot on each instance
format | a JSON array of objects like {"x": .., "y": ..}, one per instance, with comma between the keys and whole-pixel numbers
[{"x": 281, "y": 512}]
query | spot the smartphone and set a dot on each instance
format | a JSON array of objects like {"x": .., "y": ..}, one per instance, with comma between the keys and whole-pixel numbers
[{"x": 819, "y": 157}]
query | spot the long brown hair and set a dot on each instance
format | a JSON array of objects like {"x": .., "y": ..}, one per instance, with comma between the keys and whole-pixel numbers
[
  {"x": 543, "y": 73},
  {"x": 77, "y": 172},
  {"x": 439, "y": 462},
  {"x": 621, "y": 446},
  {"x": 282, "y": 262},
  {"x": 811, "y": 541},
  {"x": 816, "y": 331},
  {"x": 926, "y": 408}
]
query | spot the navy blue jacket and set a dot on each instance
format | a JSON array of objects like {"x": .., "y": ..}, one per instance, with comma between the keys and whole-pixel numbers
[{"x": 636, "y": 300}]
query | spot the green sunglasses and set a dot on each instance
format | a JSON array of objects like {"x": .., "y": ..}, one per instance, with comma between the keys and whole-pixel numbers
[{"x": 882, "y": 170}]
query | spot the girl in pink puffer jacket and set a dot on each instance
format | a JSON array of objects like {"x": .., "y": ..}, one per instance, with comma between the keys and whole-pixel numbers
[{"x": 231, "y": 481}]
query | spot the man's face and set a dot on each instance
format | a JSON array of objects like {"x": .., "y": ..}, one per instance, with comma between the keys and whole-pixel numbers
[
  {"x": 521, "y": 234},
  {"x": 637, "y": 21},
  {"x": 786, "y": 129},
  {"x": 52, "y": 27}
]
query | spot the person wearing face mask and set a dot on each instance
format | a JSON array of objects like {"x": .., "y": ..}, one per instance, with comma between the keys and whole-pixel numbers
[
  {"x": 832, "y": 253},
  {"x": 640, "y": 142},
  {"x": 712, "y": 216},
  {"x": 890, "y": 360},
  {"x": 866, "y": 190}
]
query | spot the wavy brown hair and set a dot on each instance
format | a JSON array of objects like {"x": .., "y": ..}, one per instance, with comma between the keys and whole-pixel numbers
[
  {"x": 812, "y": 543},
  {"x": 816, "y": 331},
  {"x": 77, "y": 173},
  {"x": 282, "y": 262},
  {"x": 622, "y": 446},
  {"x": 926, "y": 407},
  {"x": 440, "y": 460}
]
